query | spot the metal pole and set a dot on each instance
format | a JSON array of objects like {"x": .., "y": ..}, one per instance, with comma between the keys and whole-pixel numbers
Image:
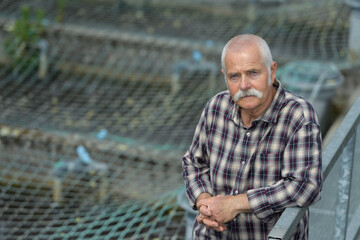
[
  {"x": 354, "y": 30},
  {"x": 286, "y": 225},
  {"x": 344, "y": 186},
  {"x": 43, "y": 58},
  {"x": 353, "y": 229}
]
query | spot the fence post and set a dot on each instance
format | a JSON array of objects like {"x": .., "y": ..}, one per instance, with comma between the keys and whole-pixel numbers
[
  {"x": 344, "y": 187},
  {"x": 354, "y": 30}
]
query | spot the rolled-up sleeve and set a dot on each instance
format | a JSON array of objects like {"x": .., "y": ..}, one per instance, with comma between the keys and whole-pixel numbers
[{"x": 301, "y": 176}]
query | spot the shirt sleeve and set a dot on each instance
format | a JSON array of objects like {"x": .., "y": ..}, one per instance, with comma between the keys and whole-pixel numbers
[
  {"x": 196, "y": 169},
  {"x": 301, "y": 176}
]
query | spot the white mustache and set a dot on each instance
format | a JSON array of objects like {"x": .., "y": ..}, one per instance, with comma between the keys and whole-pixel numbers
[{"x": 250, "y": 92}]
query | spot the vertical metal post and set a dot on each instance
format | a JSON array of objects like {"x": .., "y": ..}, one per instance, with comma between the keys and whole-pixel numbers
[
  {"x": 353, "y": 229},
  {"x": 57, "y": 191},
  {"x": 43, "y": 58},
  {"x": 354, "y": 30},
  {"x": 344, "y": 187}
]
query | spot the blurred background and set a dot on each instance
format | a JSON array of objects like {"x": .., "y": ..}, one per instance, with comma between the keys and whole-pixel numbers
[{"x": 99, "y": 100}]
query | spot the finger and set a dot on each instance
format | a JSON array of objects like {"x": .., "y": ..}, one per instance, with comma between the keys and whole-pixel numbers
[
  {"x": 205, "y": 211},
  {"x": 203, "y": 202},
  {"x": 222, "y": 228},
  {"x": 219, "y": 229},
  {"x": 210, "y": 223},
  {"x": 214, "y": 225},
  {"x": 200, "y": 218}
]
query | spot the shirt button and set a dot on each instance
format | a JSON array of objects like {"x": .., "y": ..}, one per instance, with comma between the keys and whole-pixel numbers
[{"x": 248, "y": 134}]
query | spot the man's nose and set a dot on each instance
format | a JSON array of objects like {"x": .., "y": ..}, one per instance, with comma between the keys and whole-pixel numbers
[{"x": 244, "y": 83}]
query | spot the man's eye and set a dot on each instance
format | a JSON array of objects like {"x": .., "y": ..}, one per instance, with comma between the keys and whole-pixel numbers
[
  {"x": 234, "y": 77},
  {"x": 253, "y": 74}
]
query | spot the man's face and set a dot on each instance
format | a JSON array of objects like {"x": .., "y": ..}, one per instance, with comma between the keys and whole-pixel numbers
[{"x": 248, "y": 80}]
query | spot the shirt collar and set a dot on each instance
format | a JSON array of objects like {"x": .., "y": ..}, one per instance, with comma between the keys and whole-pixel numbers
[{"x": 272, "y": 113}]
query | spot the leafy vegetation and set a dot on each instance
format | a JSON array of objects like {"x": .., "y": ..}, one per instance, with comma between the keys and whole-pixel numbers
[{"x": 21, "y": 46}]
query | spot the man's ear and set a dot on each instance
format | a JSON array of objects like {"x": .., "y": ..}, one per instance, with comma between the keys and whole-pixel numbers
[
  {"x": 273, "y": 69},
  {"x": 225, "y": 78}
]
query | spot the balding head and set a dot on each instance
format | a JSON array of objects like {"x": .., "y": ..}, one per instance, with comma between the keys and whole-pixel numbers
[{"x": 244, "y": 41}]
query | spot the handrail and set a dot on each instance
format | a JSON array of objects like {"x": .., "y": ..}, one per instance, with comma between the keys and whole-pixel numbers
[{"x": 346, "y": 132}]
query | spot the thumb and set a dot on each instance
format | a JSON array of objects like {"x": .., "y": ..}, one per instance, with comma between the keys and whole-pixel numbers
[{"x": 205, "y": 211}]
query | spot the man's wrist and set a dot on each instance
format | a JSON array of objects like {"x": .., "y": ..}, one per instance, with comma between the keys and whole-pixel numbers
[{"x": 242, "y": 204}]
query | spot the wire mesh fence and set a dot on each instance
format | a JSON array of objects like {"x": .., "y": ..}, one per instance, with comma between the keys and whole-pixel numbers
[{"x": 138, "y": 73}]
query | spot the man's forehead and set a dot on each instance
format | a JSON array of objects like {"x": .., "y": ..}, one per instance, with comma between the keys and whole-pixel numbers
[
  {"x": 249, "y": 54},
  {"x": 244, "y": 64}
]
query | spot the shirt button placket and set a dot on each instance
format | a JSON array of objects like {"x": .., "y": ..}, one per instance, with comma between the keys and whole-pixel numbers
[
  {"x": 236, "y": 192},
  {"x": 237, "y": 185},
  {"x": 247, "y": 136}
]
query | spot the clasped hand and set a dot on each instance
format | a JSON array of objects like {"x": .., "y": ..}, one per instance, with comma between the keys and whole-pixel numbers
[{"x": 214, "y": 212}]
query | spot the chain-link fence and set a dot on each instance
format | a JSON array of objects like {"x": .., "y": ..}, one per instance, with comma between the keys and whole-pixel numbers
[{"x": 99, "y": 100}]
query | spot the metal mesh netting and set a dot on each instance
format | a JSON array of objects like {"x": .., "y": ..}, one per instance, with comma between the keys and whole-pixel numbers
[
  {"x": 99, "y": 100},
  {"x": 48, "y": 192}
]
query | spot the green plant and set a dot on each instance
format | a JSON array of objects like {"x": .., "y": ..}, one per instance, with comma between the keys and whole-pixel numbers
[
  {"x": 61, "y": 10},
  {"x": 21, "y": 45}
]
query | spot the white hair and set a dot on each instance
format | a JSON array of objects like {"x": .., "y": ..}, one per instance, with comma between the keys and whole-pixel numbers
[{"x": 238, "y": 42}]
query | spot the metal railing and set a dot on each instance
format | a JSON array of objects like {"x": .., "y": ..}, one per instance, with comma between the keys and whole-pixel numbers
[{"x": 341, "y": 147}]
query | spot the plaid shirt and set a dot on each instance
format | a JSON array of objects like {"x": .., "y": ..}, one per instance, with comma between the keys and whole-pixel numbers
[{"x": 276, "y": 161}]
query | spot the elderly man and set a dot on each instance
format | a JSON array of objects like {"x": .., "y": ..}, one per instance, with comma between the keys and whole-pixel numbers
[{"x": 256, "y": 150}]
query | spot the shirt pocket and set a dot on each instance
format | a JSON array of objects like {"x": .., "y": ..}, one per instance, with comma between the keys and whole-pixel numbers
[{"x": 268, "y": 168}]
